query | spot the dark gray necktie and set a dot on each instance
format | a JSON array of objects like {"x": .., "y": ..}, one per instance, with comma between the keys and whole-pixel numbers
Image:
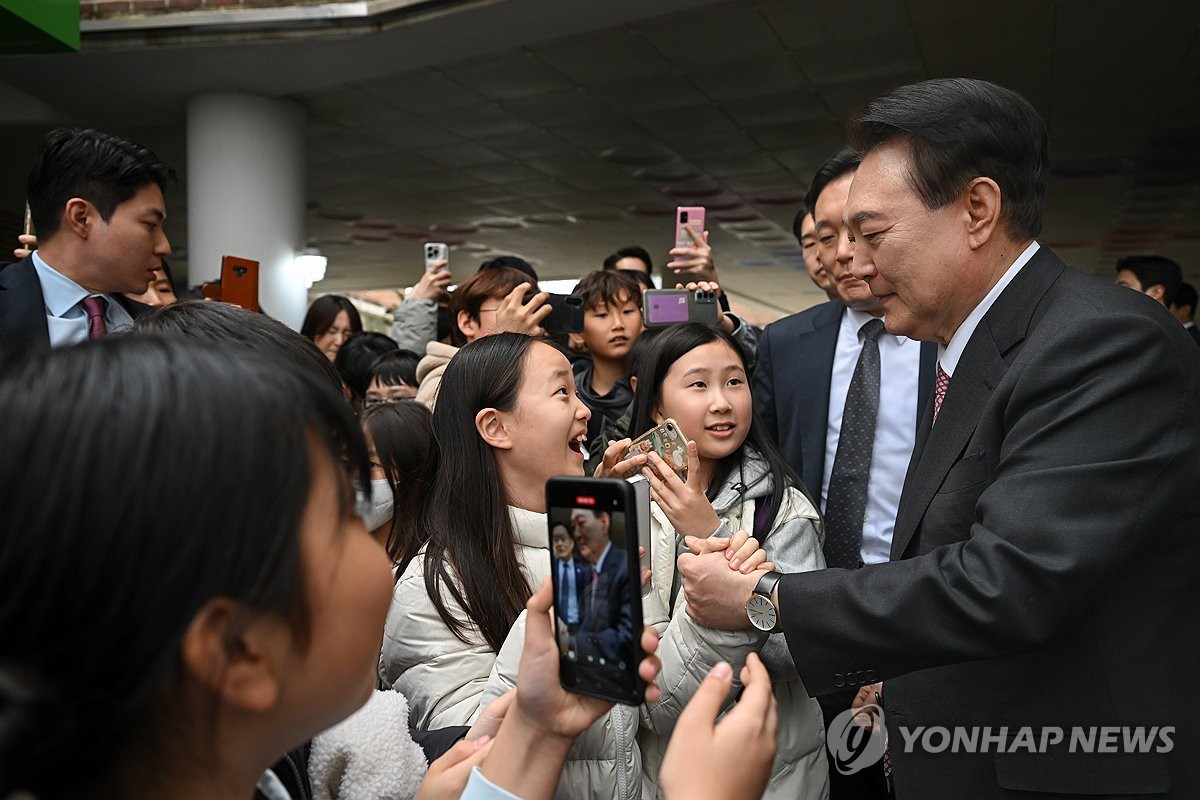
[{"x": 846, "y": 505}]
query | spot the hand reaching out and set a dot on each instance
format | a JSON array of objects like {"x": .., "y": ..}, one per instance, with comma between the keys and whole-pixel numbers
[{"x": 727, "y": 759}]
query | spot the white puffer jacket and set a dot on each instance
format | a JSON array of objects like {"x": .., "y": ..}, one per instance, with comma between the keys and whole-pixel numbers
[
  {"x": 442, "y": 676},
  {"x": 688, "y": 650}
]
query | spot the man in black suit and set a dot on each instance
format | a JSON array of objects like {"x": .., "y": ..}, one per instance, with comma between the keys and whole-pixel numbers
[
  {"x": 605, "y": 632},
  {"x": 96, "y": 202},
  {"x": 1043, "y": 562}
]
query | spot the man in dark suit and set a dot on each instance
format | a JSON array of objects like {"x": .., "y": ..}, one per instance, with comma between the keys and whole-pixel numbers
[
  {"x": 606, "y": 627},
  {"x": 570, "y": 576},
  {"x": 96, "y": 202},
  {"x": 1043, "y": 563},
  {"x": 803, "y": 392}
]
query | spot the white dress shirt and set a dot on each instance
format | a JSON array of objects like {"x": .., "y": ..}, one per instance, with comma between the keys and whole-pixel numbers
[
  {"x": 895, "y": 427},
  {"x": 949, "y": 354},
  {"x": 66, "y": 317}
]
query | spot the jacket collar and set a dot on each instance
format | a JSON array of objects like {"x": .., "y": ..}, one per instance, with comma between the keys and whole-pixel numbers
[{"x": 985, "y": 361}]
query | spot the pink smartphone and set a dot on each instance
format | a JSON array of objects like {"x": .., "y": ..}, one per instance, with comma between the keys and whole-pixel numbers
[{"x": 689, "y": 226}]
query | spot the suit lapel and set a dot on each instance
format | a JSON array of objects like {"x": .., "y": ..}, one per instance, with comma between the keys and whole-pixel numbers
[
  {"x": 811, "y": 389},
  {"x": 983, "y": 364}
]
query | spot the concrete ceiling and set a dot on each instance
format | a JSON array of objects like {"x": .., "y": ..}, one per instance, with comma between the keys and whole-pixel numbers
[{"x": 563, "y": 130}]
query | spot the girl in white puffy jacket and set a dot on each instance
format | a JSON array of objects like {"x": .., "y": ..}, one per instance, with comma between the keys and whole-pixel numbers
[{"x": 736, "y": 480}]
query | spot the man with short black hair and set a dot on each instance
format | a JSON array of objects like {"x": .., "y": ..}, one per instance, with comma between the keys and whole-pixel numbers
[
  {"x": 1043, "y": 572},
  {"x": 842, "y": 398},
  {"x": 1155, "y": 276},
  {"x": 96, "y": 202}
]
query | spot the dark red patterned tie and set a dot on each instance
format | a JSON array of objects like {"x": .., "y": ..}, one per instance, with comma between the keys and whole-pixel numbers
[
  {"x": 943, "y": 383},
  {"x": 94, "y": 306}
]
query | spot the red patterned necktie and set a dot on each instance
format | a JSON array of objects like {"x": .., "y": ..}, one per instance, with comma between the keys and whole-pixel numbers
[
  {"x": 943, "y": 383},
  {"x": 94, "y": 306}
]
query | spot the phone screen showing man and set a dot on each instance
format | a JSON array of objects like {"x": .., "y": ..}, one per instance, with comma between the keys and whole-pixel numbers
[{"x": 595, "y": 591}]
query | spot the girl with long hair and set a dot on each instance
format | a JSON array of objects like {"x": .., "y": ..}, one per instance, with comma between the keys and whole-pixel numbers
[{"x": 736, "y": 481}]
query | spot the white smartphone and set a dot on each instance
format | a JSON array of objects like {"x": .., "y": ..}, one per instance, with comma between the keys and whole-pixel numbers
[{"x": 434, "y": 252}]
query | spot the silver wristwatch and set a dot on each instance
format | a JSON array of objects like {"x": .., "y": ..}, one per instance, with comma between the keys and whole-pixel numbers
[{"x": 760, "y": 608}]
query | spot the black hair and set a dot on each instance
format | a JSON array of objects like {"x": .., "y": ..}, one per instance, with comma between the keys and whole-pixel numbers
[
  {"x": 798, "y": 220},
  {"x": 475, "y": 563},
  {"x": 222, "y": 323},
  {"x": 632, "y": 251},
  {"x": 959, "y": 129},
  {"x": 653, "y": 364},
  {"x": 403, "y": 436},
  {"x": 1186, "y": 296},
  {"x": 103, "y": 169},
  {"x": 323, "y": 313},
  {"x": 511, "y": 262},
  {"x": 1155, "y": 271},
  {"x": 101, "y": 582},
  {"x": 841, "y": 163},
  {"x": 606, "y": 287},
  {"x": 394, "y": 367},
  {"x": 356, "y": 356}
]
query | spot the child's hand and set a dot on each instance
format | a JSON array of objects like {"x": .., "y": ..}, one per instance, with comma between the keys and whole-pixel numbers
[
  {"x": 726, "y": 322},
  {"x": 448, "y": 775},
  {"x": 683, "y": 503},
  {"x": 744, "y": 554},
  {"x": 727, "y": 759},
  {"x": 611, "y": 466}
]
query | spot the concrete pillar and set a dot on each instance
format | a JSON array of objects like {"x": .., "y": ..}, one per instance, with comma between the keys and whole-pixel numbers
[{"x": 245, "y": 190}]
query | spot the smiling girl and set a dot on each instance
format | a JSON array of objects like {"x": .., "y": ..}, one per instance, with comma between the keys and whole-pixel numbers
[{"x": 736, "y": 481}]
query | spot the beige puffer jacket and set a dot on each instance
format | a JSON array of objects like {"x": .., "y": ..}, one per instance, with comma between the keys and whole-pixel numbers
[
  {"x": 442, "y": 676},
  {"x": 429, "y": 371}
]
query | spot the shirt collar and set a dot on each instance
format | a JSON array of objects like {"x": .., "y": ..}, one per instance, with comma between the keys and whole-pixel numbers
[
  {"x": 949, "y": 354},
  {"x": 860, "y": 318},
  {"x": 59, "y": 292}
]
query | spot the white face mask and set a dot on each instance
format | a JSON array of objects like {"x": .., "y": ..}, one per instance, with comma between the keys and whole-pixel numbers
[{"x": 379, "y": 510}]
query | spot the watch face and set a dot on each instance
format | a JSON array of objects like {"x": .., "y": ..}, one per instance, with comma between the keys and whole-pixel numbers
[{"x": 761, "y": 612}]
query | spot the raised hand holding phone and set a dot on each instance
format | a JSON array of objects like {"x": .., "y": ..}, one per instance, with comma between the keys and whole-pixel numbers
[
  {"x": 683, "y": 502},
  {"x": 519, "y": 314}
]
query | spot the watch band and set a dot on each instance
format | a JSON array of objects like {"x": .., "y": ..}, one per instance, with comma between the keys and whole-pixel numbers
[{"x": 766, "y": 584}]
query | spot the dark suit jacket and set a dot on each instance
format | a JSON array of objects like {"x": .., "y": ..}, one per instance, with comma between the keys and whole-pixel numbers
[
  {"x": 791, "y": 385},
  {"x": 23, "y": 309},
  {"x": 606, "y": 623},
  {"x": 1194, "y": 332},
  {"x": 1045, "y": 555}
]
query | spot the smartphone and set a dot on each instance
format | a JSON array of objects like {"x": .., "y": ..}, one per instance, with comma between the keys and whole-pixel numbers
[
  {"x": 663, "y": 307},
  {"x": 566, "y": 315},
  {"x": 597, "y": 602},
  {"x": 641, "y": 490},
  {"x": 689, "y": 226},
  {"x": 667, "y": 440},
  {"x": 239, "y": 282},
  {"x": 434, "y": 252}
]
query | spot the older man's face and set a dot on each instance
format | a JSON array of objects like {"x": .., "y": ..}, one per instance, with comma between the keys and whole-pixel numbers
[
  {"x": 913, "y": 258},
  {"x": 591, "y": 533}
]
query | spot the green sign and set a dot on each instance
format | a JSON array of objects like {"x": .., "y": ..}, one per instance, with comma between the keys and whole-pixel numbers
[{"x": 39, "y": 26}]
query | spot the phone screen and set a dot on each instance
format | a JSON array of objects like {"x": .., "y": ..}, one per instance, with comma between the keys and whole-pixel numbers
[
  {"x": 594, "y": 568},
  {"x": 666, "y": 307}
]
